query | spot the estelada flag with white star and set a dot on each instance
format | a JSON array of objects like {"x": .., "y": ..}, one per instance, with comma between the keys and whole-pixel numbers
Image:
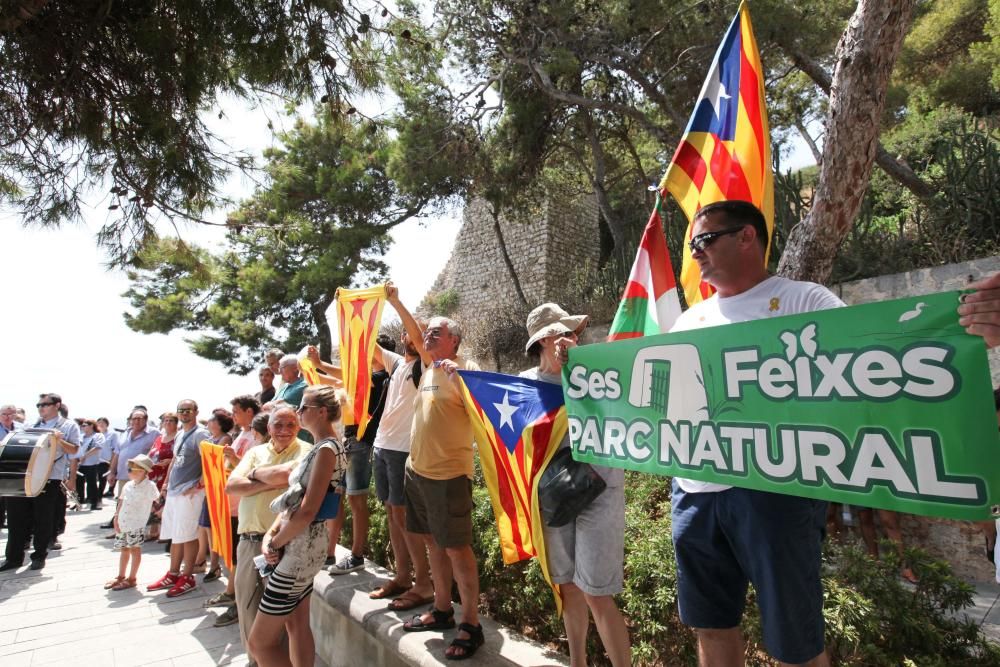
[
  {"x": 725, "y": 152},
  {"x": 359, "y": 315},
  {"x": 518, "y": 424}
]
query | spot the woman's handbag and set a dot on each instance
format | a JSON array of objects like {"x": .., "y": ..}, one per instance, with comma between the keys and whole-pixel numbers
[{"x": 566, "y": 488}]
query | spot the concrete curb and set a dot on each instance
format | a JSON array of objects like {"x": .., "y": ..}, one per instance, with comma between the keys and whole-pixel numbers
[{"x": 351, "y": 629}]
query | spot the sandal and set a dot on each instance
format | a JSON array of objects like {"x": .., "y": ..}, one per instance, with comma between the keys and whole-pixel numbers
[
  {"x": 111, "y": 583},
  {"x": 409, "y": 600},
  {"x": 443, "y": 620},
  {"x": 124, "y": 584},
  {"x": 469, "y": 646},
  {"x": 389, "y": 589},
  {"x": 198, "y": 568},
  {"x": 212, "y": 575}
]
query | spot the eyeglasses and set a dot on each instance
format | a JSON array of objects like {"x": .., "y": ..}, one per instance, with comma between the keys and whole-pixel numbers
[
  {"x": 134, "y": 469},
  {"x": 42, "y": 405},
  {"x": 169, "y": 419},
  {"x": 303, "y": 408},
  {"x": 701, "y": 241},
  {"x": 184, "y": 411}
]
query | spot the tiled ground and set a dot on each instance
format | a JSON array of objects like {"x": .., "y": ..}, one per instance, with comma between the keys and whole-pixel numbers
[{"x": 63, "y": 615}]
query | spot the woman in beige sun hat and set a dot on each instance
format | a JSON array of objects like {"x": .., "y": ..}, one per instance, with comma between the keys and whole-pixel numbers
[{"x": 586, "y": 556}]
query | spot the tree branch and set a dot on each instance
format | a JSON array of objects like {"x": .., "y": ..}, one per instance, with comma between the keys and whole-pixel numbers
[
  {"x": 890, "y": 165},
  {"x": 26, "y": 11}
]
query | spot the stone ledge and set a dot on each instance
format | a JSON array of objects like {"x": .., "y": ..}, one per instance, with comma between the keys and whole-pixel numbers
[{"x": 351, "y": 629}]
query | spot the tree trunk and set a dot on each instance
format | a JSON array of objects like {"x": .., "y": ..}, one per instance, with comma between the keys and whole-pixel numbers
[
  {"x": 318, "y": 310},
  {"x": 865, "y": 57},
  {"x": 597, "y": 182},
  {"x": 890, "y": 165},
  {"x": 502, "y": 244}
]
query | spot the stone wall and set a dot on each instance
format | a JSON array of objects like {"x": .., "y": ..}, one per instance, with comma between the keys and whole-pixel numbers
[
  {"x": 960, "y": 543},
  {"x": 543, "y": 246}
]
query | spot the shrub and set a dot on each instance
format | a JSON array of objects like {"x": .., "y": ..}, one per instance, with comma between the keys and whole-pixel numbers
[{"x": 872, "y": 617}]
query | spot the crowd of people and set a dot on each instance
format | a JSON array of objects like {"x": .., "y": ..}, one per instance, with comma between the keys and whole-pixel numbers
[{"x": 291, "y": 463}]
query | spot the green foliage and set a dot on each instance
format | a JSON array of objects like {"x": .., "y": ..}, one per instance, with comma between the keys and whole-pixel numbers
[
  {"x": 111, "y": 97},
  {"x": 320, "y": 223},
  {"x": 872, "y": 617},
  {"x": 444, "y": 302}
]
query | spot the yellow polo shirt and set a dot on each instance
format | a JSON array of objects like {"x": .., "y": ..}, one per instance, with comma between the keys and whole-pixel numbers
[
  {"x": 255, "y": 515},
  {"x": 441, "y": 437}
]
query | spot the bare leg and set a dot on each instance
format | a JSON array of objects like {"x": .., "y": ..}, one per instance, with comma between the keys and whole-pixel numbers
[
  {"x": 190, "y": 553},
  {"x": 136, "y": 553},
  {"x": 720, "y": 648},
  {"x": 333, "y": 528},
  {"x": 866, "y": 518},
  {"x": 463, "y": 564},
  {"x": 441, "y": 574},
  {"x": 821, "y": 660},
  {"x": 417, "y": 547},
  {"x": 396, "y": 518},
  {"x": 890, "y": 523},
  {"x": 576, "y": 620},
  {"x": 359, "y": 520},
  {"x": 265, "y": 641},
  {"x": 611, "y": 627},
  {"x": 176, "y": 556},
  {"x": 122, "y": 562},
  {"x": 302, "y": 647}
]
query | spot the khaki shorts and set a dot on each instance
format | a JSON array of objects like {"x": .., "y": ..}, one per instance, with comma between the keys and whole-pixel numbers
[{"x": 441, "y": 508}]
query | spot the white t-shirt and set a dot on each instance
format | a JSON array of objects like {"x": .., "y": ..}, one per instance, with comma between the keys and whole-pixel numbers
[
  {"x": 773, "y": 297},
  {"x": 137, "y": 502},
  {"x": 397, "y": 416}
]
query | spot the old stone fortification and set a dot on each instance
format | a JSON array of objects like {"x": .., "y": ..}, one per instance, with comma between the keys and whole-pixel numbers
[
  {"x": 557, "y": 238},
  {"x": 545, "y": 246}
]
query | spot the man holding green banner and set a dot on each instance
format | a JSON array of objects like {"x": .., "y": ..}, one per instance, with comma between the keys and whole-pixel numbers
[
  {"x": 726, "y": 536},
  {"x": 761, "y": 422}
]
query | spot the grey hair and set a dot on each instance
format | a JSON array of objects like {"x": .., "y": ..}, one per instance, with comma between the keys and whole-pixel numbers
[
  {"x": 288, "y": 360},
  {"x": 280, "y": 408},
  {"x": 454, "y": 328},
  {"x": 8, "y": 407}
]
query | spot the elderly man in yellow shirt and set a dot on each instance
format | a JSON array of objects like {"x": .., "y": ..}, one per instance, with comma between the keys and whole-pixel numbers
[{"x": 258, "y": 479}]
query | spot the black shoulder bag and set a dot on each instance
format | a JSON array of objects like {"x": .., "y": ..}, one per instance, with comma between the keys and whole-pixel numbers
[{"x": 566, "y": 488}]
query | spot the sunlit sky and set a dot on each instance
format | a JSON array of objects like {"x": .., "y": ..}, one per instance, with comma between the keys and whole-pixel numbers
[
  {"x": 63, "y": 329},
  {"x": 63, "y": 325}
]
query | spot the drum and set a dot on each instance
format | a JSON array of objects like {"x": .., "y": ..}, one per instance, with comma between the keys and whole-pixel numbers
[{"x": 26, "y": 460}]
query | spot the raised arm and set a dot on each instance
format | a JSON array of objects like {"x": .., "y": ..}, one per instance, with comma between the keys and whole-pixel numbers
[{"x": 413, "y": 329}]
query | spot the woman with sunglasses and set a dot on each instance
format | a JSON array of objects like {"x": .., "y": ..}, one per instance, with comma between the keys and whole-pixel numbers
[{"x": 295, "y": 546}]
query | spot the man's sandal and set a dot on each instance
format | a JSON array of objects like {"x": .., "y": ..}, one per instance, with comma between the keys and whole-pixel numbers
[
  {"x": 469, "y": 646},
  {"x": 112, "y": 583},
  {"x": 443, "y": 620}
]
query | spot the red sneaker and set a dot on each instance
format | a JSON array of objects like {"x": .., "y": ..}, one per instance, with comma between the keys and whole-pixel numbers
[
  {"x": 185, "y": 584},
  {"x": 166, "y": 581}
]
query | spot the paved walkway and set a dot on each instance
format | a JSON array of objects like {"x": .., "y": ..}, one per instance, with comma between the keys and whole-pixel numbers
[{"x": 63, "y": 615}]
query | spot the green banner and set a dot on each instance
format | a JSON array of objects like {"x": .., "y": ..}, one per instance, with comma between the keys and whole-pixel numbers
[{"x": 885, "y": 405}]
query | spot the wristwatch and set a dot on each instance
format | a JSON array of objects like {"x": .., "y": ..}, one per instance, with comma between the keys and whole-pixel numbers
[{"x": 253, "y": 475}]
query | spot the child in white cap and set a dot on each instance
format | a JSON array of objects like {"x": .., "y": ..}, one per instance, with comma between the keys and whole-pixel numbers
[{"x": 131, "y": 515}]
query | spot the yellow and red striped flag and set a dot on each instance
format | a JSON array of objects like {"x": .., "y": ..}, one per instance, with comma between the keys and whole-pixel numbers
[
  {"x": 213, "y": 468},
  {"x": 308, "y": 368},
  {"x": 359, "y": 314},
  {"x": 725, "y": 152}
]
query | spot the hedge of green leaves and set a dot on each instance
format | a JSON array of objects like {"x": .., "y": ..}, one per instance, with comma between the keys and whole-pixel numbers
[{"x": 872, "y": 616}]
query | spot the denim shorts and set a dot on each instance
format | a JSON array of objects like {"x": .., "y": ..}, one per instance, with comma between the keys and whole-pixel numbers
[
  {"x": 359, "y": 467},
  {"x": 390, "y": 469},
  {"x": 726, "y": 539}
]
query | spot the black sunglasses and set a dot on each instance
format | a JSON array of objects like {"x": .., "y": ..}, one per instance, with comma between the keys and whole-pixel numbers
[
  {"x": 42, "y": 405},
  {"x": 701, "y": 241}
]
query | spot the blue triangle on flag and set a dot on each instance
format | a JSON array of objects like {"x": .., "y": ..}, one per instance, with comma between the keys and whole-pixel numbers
[{"x": 512, "y": 403}]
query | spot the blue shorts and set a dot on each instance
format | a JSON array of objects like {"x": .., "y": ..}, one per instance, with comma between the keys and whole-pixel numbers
[
  {"x": 390, "y": 469},
  {"x": 726, "y": 539},
  {"x": 359, "y": 467}
]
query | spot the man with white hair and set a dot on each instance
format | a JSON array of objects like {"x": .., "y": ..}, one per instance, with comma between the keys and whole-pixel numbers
[
  {"x": 8, "y": 424},
  {"x": 259, "y": 477},
  {"x": 293, "y": 383}
]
